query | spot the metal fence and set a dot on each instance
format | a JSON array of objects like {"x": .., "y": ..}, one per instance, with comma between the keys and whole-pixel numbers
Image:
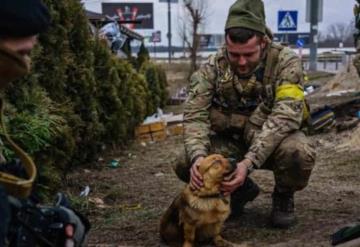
[{"x": 331, "y": 62}]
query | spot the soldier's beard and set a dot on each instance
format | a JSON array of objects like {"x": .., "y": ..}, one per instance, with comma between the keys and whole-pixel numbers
[{"x": 248, "y": 70}]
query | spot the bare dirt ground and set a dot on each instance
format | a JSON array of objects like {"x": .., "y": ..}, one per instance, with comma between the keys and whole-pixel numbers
[{"x": 125, "y": 203}]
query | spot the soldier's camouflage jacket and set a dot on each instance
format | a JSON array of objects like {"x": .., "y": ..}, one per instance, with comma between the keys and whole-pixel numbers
[
  {"x": 356, "y": 59},
  {"x": 215, "y": 86}
]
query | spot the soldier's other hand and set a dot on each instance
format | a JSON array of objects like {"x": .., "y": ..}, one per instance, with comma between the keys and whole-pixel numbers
[
  {"x": 196, "y": 181},
  {"x": 235, "y": 179}
]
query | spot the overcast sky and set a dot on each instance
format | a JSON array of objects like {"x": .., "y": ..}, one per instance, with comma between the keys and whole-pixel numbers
[{"x": 333, "y": 11}]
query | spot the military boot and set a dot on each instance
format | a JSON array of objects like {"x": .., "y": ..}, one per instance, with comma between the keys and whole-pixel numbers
[
  {"x": 246, "y": 193},
  {"x": 283, "y": 213}
]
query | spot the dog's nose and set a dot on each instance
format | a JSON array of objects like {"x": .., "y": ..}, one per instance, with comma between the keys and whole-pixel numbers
[{"x": 233, "y": 163}]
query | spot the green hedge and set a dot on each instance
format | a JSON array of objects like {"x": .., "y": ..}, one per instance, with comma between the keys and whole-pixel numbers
[{"x": 79, "y": 98}]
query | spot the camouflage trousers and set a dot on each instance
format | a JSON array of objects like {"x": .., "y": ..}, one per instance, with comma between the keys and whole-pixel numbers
[
  {"x": 291, "y": 162},
  {"x": 356, "y": 62}
]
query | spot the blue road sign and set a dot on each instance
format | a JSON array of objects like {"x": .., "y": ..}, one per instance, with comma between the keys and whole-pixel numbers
[
  {"x": 300, "y": 43},
  {"x": 287, "y": 20},
  {"x": 292, "y": 38}
]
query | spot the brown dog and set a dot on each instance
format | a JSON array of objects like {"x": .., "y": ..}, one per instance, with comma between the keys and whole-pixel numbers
[{"x": 199, "y": 215}]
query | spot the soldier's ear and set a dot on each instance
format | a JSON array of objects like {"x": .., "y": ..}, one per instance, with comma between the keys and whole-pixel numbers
[{"x": 263, "y": 42}]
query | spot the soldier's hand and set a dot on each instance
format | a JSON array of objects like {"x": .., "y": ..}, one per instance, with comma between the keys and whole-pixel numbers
[
  {"x": 196, "y": 181},
  {"x": 235, "y": 179}
]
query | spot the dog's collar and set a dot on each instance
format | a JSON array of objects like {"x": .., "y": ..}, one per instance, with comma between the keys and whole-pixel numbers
[{"x": 216, "y": 195}]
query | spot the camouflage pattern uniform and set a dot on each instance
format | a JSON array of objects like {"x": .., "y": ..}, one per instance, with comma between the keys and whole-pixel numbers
[
  {"x": 238, "y": 118},
  {"x": 356, "y": 60}
]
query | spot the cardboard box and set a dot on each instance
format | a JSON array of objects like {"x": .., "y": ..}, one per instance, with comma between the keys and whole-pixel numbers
[
  {"x": 148, "y": 128},
  {"x": 142, "y": 129},
  {"x": 158, "y": 126},
  {"x": 158, "y": 135},
  {"x": 144, "y": 137},
  {"x": 151, "y": 132},
  {"x": 176, "y": 129}
]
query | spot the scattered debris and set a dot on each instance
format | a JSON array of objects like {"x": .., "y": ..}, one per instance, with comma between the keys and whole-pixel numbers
[
  {"x": 322, "y": 120},
  {"x": 179, "y": 97},
  {"x": 335, "y": 103},
  {"x": 160, "y": 116},
  {"x": 346, "y": 234},
  {"x": 130, "y": 156},
  {"x": 340, "y": 93},
  {"x": 98, "y": 202},
  {"x": 130, "y": 207},
  {"x": 308, "y": 90},
  {"x": 156, "y": 127},
  {"x": 347, "y": 124},
  {"x": 114, "y": 163},
  {"x": 85, "y": 192},
  {"x": 159, "y": 174},
  {"x": 343, "y": 80}
]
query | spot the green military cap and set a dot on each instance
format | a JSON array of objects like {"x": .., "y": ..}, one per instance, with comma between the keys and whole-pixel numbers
[{"x": 247, "y": 14}]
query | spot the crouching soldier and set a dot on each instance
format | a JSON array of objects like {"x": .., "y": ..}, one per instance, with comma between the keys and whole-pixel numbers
[{"x": 247, "y": 102}]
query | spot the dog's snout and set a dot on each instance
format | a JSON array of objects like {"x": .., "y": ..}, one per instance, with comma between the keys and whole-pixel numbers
[{"x": 232, "y": 163}]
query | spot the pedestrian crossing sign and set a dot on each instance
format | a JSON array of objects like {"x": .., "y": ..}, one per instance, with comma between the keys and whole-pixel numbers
[{"x": 287, "y": 20}]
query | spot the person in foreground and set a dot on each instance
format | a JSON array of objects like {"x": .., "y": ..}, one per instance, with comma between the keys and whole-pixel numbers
[
  {"x": 247, "y": 103},
  {"x": 20, "y": 22},
  {"x": 23, "y": 221}
]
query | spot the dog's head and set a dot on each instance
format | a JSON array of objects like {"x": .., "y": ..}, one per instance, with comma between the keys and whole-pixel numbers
[{"x": 213, "y": 168}]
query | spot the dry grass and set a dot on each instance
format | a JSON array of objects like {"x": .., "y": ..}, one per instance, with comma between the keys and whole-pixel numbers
[{"x": 139, "y": 191}]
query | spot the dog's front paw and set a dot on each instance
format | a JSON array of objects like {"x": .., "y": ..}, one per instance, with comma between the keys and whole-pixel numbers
[
  {"x": 220, "y": 242},
  {"x": 187, "y": 244}
]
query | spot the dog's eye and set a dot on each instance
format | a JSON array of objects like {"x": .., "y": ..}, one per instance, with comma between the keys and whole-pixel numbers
[{"x": 216, "y": 165}]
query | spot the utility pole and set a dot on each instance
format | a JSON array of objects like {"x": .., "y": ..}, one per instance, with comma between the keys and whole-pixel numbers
[
  {"x": 314, "y": 20},
  {"x": 169, "y": 30}
]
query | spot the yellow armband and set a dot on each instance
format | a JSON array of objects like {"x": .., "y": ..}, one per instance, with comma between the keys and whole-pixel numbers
[{"x": 292, "y": 91}]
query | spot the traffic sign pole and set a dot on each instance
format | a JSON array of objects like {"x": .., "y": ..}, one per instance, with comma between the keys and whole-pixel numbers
[
  {"x": 169, "y": 24},
  {"x": 154, "y": 49},
  {"x": 300, "y": 44},
  {"x": 169, "y": 30},
  {"x": 313, "y": 34}
]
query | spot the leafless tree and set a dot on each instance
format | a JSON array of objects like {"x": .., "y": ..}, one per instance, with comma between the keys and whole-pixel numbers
[
  {"x": 321, "y": 36},
  {"x": 195, "y": 14},
  {"x": 342, "y": 32}
]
